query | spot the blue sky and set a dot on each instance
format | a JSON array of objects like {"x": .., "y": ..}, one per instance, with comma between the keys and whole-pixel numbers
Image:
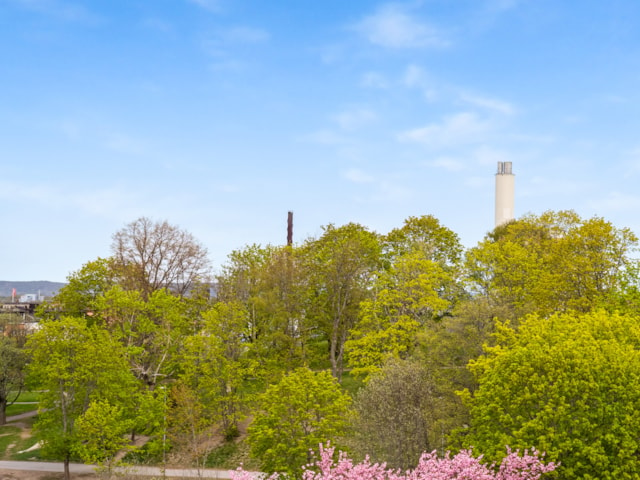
[{"x": 220, "y": 116}]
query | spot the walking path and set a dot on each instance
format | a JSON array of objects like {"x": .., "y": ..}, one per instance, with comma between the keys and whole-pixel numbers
[
  {"x": 143, "y": 471},
  {"x": 131, "y": 470},
  {"x": 22, "y": 416}
]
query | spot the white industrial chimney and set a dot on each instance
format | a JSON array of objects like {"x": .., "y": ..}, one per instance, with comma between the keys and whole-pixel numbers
[{"x": 505, "y": 181}]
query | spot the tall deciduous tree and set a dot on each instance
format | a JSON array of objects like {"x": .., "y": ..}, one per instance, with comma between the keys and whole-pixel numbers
[
  {"x": 405, "y": 297},
  {"x": 150, "y": 329},
  {"x": 155, "y": 255},
  {"x": 397, "y": 414},
  {"x": 13, "y": 361},
  {"x": 569, "y": 385},
  {"x": 269, "y": 283},
  {"x": 427, "y": 235},
  {"x": 189, "y": 426},
  {"x": 304, "y": 409},
  {"x": 78, "y": 297},
  {"x": 340, "y": 267},
  {"x": 75, "y": 365},
  {"x": 215, "y": 364},
  {"x": 552, "y": 262}
]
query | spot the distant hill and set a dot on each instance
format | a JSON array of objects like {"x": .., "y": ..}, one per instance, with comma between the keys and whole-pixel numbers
[{"x": 43, "y": 287}]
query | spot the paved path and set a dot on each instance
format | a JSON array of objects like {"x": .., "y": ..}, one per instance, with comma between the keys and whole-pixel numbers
[
  {"x": 80, "y": 468},
  {"x": 22, "y": 416},
  {"x": 146, "y": 471}
]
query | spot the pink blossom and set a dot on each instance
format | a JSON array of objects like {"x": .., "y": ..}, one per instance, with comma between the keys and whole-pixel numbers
[{"x": 462, "y": 466}]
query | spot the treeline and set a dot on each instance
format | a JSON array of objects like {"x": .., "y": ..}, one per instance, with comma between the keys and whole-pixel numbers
[{"x": 387, "y": 345}]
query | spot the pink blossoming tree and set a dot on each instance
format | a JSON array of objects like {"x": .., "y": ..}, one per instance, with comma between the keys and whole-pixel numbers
[{"x": 462, "y": 466}]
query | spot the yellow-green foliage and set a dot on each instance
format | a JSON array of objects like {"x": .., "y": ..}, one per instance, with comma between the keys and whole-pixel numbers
[
  {"x": 568, "y": 385},
  {"x": 304, "y": 409}
]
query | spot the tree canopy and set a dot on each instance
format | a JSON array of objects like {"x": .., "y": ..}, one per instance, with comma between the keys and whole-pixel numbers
[
  {"x": 568, "y": 385},
  {"x": 303, "y": 410}
]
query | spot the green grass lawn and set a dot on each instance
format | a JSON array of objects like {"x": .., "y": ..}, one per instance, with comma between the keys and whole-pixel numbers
[
  {"x": 19, "y": 408},
  {"x": 8, "y": 436},
  {"x": 27, "y": 396},
  {"x": 12, "y": 442},
  {"x": 25, "y": 444}
]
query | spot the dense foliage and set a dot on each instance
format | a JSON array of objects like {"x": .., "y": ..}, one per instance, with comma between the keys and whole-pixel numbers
[
  {"x": 354, "y": 336},
  {"x": 302, "y": 410},
  {"x": 568, "y": 385}
]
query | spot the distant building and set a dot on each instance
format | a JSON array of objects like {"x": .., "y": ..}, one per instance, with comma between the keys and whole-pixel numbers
[{"x": 31, "y": 297}]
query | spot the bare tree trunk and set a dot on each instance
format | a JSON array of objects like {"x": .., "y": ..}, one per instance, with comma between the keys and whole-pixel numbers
[
  {"x": 3, "y": 411},
  {"x": 67, "y": 474}
]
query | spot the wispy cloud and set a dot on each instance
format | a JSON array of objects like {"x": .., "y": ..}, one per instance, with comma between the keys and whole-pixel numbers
[
  {"x": 126, "y": 144},
  {"x": 460, "y": 128},
  {"x": 324, "y": 137},
  {"x": 617, "y": 201},
  {"x": 232, "y": 47},
  {"x": 415, "y": 76},
  {"x": 374, "y": 80},
  {"x": 393, "y": 26},
  {"x": 211, "y": 5},
  {"x": 109, "y": 202},
  {"x": 488, "y": 103},
  {"x": 222, "y": 42},
  {"x": 501, "y": 5},
  {"x": 243, "y": 34},
  {"x": 448, "y": 163},
  {"x": 62, "y": 10},
  {"x": 356, "y": 175},
  {"x": 355, "y": 118},
  {"x": 157, "y": 24}
]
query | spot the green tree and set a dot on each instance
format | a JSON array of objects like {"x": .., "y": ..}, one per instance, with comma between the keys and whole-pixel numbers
[
  {"x": 568, "y": 385},
  {"x": 268, "y": 282},
  {"x": 215, "y": 364},
  {"x": 551, "y": 263},
  {"x": 340, "y": 267},
  {"x": 151, "y": 329},
  {"x": 189, "y": 426},
  {"x": 75, "y": 365},
  {"x": 13, "y": 361},
  {"x": 103, "y": 428},
  {"x": 78, "y": 297},
  {"x": 397, "y": 414},
  {"x": 304, "y": 409},
  {"x": 405, "y": 298},
  {"x": 427, "y": 235}
]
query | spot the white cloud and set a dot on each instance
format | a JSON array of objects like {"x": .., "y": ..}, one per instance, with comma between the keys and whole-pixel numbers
[
  {"x": 486, "y": 155},
  {"x": 324, "y": 137},
  {"x": 122, "y": 143},
  {"x": 393, "y": 27},
  {"x": 549, "y": 187},
  {"x": 223, "y": 45},
  {"x": 488, "y": 103},
  {"x": 461, "y": 128},
  {"x": 501, "y": 5},
  {"x": 244, "y": 34},
  {"x": 416, "y": 77},
  {"x": 354, "y": 119},
  {"x": 157, "y": 24},
  {"x": 374, "y": 80},
  {"x": 211, "y": 5},
  {"x": 617, "y": 201},
  {"x": 59, "y": 9},
  {"x": 112, "y": 202},
  {"x": 357, "y": 176},
  {"x": 447, "y": 163},
  {"x": 390, "y": 192}
]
